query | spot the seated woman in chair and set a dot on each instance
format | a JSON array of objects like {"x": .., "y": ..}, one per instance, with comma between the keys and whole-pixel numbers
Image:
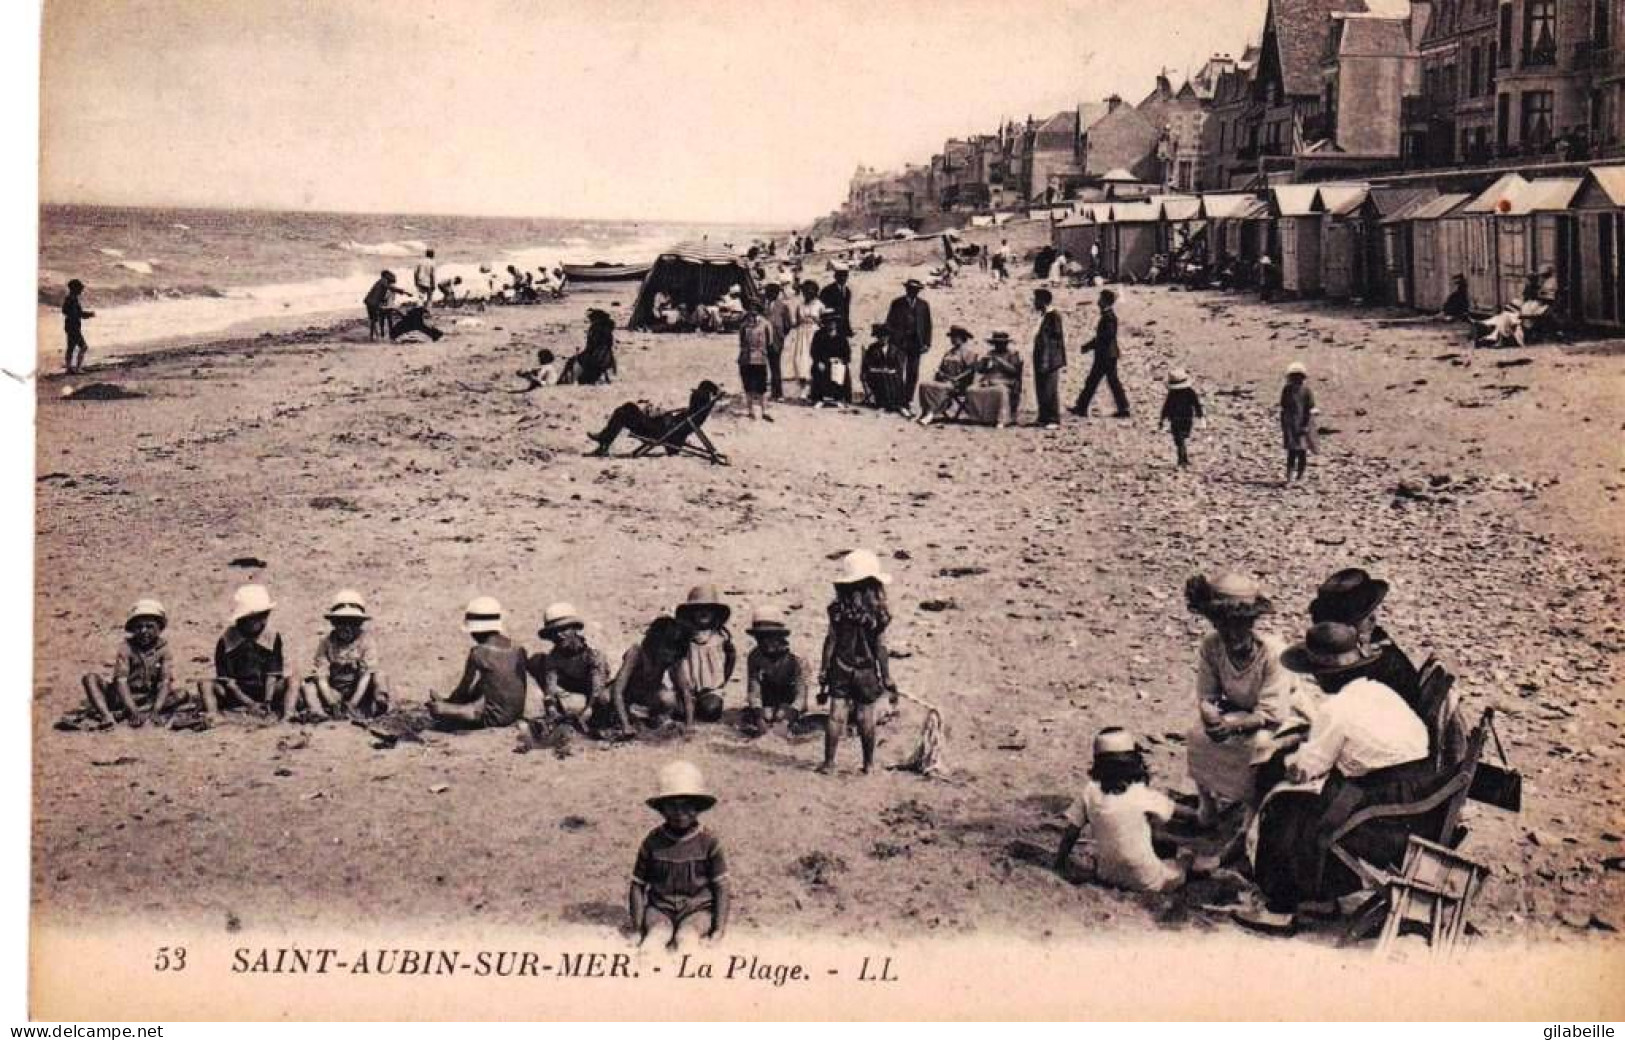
[
  {"x": 996, "y": 397},
  {"x": 882, "y": 372},
  {"x": 596, "y": 362},
  {"x": 1365, "y": 747},
  {"x": 640, "y": 418},
  {"x": 955, "y": 374}
]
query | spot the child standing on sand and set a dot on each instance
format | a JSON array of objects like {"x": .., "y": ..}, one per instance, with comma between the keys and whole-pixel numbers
[
  {"x": 680, "y": 872},
  {"x": 756, "y": 338},
  {"x": 855, "y": 671},
  {"x": 491, "y": 692},
  {"x": 709, "y": 663},
  {"x": 143, "y": 681},
  {"x": 248, "y": 660},
  {"x": 1119, "y": 805},
  {"x": 1180, "y": 410},
  {"x": 345, "y": 680},
  {"x": 1297, "y": 420},
  {"x": 73, "y": 315}
]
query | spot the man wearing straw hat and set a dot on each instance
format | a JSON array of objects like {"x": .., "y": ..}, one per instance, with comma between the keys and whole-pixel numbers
[{"x": 681, "y": 872}]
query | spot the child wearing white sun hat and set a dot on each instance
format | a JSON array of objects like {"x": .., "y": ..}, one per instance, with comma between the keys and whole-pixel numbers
[
  {"x": 492, "y": 689},
  {"x": 143, "y": 679},
  {"x": 1298, "y": 420},
  {"x": 681, "y": 872},
  {"x": 854, "y": 671},
  {"x": 248, "y": 659},
  {"x": 345, "y": 679}
]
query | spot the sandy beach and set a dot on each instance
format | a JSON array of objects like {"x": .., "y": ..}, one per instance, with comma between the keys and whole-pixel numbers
[{"x": 1037, "y": 594}]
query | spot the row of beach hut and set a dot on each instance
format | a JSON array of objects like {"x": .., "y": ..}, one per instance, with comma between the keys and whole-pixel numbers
[{"x": 1386, "y": 244}]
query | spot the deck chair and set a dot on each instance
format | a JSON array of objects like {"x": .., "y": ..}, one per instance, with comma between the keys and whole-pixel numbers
[
  {"x": 1432, "y": 895},
  {"x": 678, "y": 438},
  {"x": 1434, "y": 816}
]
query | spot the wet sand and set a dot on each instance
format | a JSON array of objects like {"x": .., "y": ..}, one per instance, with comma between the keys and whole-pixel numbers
[{"x": 1037, "y": 597}]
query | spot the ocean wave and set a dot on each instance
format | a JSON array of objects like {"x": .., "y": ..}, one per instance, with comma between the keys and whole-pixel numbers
[
  {"x": 109, "y": 251},
  {"x": 405, "y": 247},
  {"x": 52, "y": 291}
]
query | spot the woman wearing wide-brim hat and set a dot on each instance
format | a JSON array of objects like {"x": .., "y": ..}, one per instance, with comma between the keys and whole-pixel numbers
[
  {"x": 1242, "y": 692},
  {"x": 952, "y": 381},
  {"x": 1352, "y": 596},
  {"x": 831, "y": 352},
  {"x": 1000, "y": 371},
  {"x": 1365, "y": 747},
  {"x": 709, "y": 663}
]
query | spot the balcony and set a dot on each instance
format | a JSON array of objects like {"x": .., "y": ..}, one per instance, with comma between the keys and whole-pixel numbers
[{"x": 1540, "y": 57}]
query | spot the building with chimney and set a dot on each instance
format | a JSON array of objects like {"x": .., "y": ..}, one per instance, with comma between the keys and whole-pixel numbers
[{"x": 1371, "y": 62}]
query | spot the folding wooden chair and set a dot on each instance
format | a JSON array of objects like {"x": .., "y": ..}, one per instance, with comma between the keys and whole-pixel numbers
[
  {"x": 677, "y": 438},
  {"x": 1434, "y": 816},
  {"x": 1432, "y": 894}
]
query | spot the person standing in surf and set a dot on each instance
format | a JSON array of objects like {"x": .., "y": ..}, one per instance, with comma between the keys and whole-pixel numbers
[{"x": 73, "y": 314}]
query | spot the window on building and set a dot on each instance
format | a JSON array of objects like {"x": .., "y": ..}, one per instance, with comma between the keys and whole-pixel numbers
[
  {"x": 1535, "y": 127},
  {"x": 1450, "y": 83},
  {"x": 1505, "y": 39},
  {"x": 1540, "y": 32},
  {"x": 1474, "y": 83},
  {"x": 1503, "y": 119},
  {"x": 1489, "y": 71},
  {"x": 1600, "y": 27}
]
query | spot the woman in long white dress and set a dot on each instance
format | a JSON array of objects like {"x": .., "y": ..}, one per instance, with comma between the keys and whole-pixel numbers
[{"x": 797, "y": 358}]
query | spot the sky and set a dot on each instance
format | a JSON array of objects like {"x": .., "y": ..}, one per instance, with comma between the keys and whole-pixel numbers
[{"x": 702, "y": 110}]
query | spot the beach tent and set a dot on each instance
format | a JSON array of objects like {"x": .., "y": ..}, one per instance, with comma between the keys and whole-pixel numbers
[
  {"x": 1599, "y": 213},
  {"x": 1297, "y": 210},
  {"x": 692, "y": 273},
  {"x": 1384, "y": 262},
  {"x": 1434, "y": 258},
  {"x": 1341, "y": 243}
]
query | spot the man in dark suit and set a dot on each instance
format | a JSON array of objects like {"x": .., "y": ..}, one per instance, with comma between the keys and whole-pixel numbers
[
  {"x": 908, "y": 324},
  {"x": 837, "y": 297},
  {"x": 1049, "y": 359},
  {"x": 1105, "y": 349}
]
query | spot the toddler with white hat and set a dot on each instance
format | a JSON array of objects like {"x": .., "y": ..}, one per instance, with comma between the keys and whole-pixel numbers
[
  {"x": 491, "y": 692},
  {"x": 680, "y": 872},
  {"x": 248, "y": 659},
  {"x": 1118, "y": 806},
  {"x": 345, "y": 680},
  {"x": 143, "y": 680},
  {"x": 855, "y": 670}
]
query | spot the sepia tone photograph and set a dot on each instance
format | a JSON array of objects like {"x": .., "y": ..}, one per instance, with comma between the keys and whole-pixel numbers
[{"x": 734, "y": 510}]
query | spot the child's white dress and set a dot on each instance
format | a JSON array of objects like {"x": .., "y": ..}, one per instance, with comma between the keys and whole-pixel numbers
[{"x": 1121, "y": 826}]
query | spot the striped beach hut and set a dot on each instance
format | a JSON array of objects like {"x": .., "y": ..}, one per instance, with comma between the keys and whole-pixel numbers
[
  {"x": 1599, "y": 216},
  {"x": 693, "y": 273}
]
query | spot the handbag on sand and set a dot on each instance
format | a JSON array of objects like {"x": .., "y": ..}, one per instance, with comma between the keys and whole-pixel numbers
[{"x": 1500, "y": 786}]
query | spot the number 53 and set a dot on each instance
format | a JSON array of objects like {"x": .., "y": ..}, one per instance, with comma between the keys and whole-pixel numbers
[{"x": 170, "y": 958}]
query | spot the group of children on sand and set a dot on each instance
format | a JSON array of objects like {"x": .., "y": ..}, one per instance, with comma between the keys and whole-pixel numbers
[
  {"x": 1182, "y": 411},
  {"x": 675, "y": 674}
]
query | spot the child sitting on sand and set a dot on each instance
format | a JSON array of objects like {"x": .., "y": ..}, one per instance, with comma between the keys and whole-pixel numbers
[
  {"x": 143, "y": 681},
  {"x": 345, "y": 679},
  {"x": 775, "y": 677},
  {"x": 573, "y": 676},
  {"x": 1180, "y": 410},
  {"x": 491, "y": 692},
  {"x": 680, "y": 872},
  {"x": 248, "y": 670},
  {"x": 709, "y": 661},
  {"x": 1119, "y": 805},
  {"x": 855, "y": 670},
  {"x": 645, "y": 669},
  {"x": 546, "y": 372}
]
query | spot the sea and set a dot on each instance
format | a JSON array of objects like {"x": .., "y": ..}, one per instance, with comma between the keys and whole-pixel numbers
[{"x": 157, "y": 275}]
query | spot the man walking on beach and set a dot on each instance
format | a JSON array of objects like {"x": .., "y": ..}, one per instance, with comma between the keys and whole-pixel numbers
[
  {"x": 1105, "y": 349},
  {"x": 908, "y": 324},
  {"x": 73, "y": 314},
  {"x": 780, "y": 321},
  {"x": 837, "y": 297},
  {"x": 1049, "y": 360},
  {"x": 423, "y": 278}
]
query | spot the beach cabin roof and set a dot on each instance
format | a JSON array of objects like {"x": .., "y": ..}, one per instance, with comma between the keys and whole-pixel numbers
[
  {"x": 1490, "y": 199},
  {"x": 1076, "y": 220},
  {"x": 1097, "y": 212},
  {"x": 1177, "y": 208},
  {"x": 1340, "y": 200},
  {"x": 1295, "y": 200},
  {"x": 1442, "y": 206},
  {"x": 1118, "y": 175},
  {"x": 1223, "y": 207},
  {"x": 1390, "y": 203},
  {"x": 1136, "y": 213},
  {"x": 1604, "y": 187},
  {"x": 1545, "y": 195}
]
